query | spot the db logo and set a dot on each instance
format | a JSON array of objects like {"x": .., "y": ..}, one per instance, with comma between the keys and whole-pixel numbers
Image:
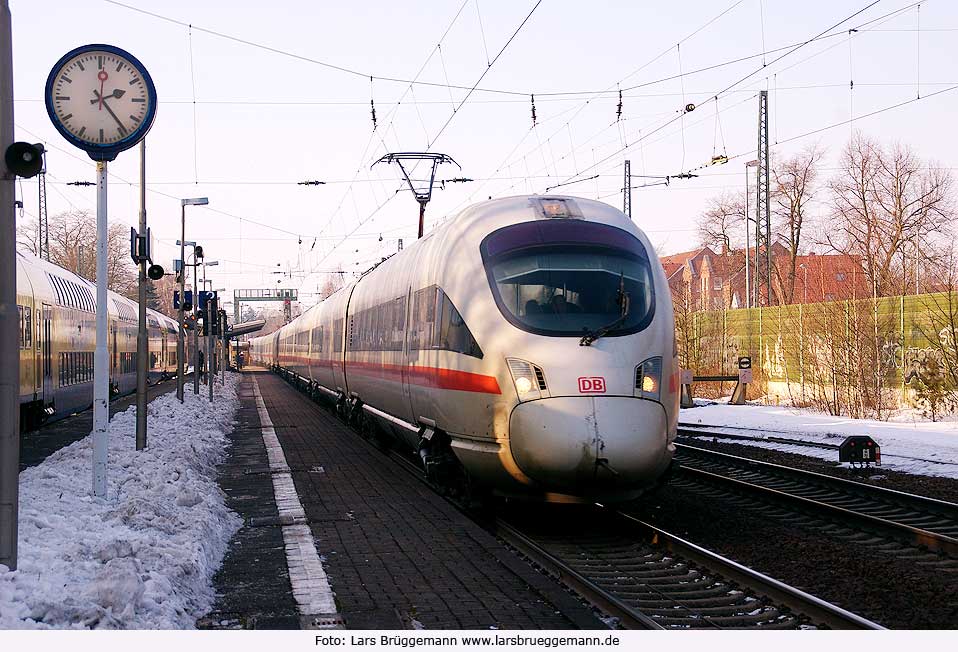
[{"x": 592, "y": 385}]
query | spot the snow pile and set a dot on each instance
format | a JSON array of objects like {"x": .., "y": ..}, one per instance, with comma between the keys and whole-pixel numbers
[
  {"x": 918, "y": 447},
  {"x": 144, "y": 556}
]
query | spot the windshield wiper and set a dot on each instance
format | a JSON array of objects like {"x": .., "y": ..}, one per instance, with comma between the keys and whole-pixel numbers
[{"x": 622, "y": 299}]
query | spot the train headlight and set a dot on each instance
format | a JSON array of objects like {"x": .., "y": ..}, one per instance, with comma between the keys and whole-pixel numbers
[
  {"x": 529, "y": 381},
  {"x": 523, "y": 385},
  {"x": 648, "y": 379}
]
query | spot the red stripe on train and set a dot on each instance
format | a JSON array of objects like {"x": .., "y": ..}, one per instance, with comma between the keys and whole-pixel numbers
[{"x": 463, "y": 381}]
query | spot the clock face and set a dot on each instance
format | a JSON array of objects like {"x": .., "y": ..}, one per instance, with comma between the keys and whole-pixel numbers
[{"x": 101, "y": 99}]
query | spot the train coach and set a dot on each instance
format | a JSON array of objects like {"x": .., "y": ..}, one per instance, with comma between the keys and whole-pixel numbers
[
  {"x": 527, "y": 347},
  {"x": 57, "y": 314}
]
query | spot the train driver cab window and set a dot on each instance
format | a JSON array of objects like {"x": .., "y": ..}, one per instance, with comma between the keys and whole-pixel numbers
[{"x": 568, "y": 278}]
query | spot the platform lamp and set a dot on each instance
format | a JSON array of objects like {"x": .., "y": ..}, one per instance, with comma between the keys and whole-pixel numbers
[{"x": 180, "y": 344}]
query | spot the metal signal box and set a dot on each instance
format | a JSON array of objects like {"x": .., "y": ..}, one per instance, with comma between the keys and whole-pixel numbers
[{"x": 860, "y": 449}]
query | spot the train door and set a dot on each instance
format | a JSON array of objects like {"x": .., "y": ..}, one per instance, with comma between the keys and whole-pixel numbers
[{"x": 46, "y": 353}]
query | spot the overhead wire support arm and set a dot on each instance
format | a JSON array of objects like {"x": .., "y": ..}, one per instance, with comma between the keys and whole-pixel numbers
[{"x": 423, "y": 195}]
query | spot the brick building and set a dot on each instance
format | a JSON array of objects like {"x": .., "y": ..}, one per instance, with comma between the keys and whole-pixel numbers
[{"x": 708, "y": 280}]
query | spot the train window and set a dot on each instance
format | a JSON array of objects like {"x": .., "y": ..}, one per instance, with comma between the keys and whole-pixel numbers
[
  {"x": 338, "y": 336},
  {"x": 55, "y": 282},
  {"x": 25, "y": 327},
  {"x": 317, "y": 339},
  {"x": 436, "y": 324},
  {"x": 379, "y": 328},
  {"x": 565, "y": 280}
]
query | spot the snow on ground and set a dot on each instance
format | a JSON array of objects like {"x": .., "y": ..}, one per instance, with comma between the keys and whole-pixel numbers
[
  {"x": 918, "y": 447},
  {"x": 143, "y": 557}
]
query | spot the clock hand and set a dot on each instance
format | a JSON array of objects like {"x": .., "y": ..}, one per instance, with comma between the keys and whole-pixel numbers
[
  {"x": 122, "y": 128},
  {"x": 102, "y": 76},
  {"x": 117, "y": 93}
]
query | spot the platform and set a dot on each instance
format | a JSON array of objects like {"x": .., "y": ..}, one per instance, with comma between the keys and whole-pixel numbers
[{"x": 395, "y": 554}]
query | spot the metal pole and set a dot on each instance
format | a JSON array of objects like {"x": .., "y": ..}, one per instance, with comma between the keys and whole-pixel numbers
[
  {"x": 422, "y": 216},
  {"x": 101, "y": 358},
  {"x": 196, "y": 334},
  {"x": 226, "y": 358},
  {"x": 748, "y": 267},
  {"x": 142, "y": 338},
  {"x": 180, "y": 344},
  {"x": 210, "y": 342},
  {"x": 9, "y": 346}
]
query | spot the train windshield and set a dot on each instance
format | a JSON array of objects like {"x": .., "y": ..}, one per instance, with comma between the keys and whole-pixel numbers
[{"x": 569, "y": 281}]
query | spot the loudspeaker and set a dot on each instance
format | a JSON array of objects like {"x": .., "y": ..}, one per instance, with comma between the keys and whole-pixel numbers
[{"x": 24, "y": 160}]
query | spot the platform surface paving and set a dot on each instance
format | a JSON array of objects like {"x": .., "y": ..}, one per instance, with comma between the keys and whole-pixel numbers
[{"x": 398, "y": 556}]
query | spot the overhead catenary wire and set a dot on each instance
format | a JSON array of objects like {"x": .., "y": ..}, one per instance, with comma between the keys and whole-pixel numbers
[{"x": 741, "y": 79}]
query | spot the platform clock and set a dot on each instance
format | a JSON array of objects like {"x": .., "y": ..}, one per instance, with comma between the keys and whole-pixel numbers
[{"x": 101, "y": 99}]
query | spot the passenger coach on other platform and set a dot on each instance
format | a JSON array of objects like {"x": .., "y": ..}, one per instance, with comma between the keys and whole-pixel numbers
[
  {"x": 527, "y": 346},
  {"x": 57, "y": 312}
]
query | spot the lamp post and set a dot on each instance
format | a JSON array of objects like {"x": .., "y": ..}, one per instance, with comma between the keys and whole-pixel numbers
[{"x": 180, "y": 343}]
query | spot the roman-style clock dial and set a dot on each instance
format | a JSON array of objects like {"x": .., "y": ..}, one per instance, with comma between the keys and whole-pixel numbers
[{"x": 101, "y": 99}]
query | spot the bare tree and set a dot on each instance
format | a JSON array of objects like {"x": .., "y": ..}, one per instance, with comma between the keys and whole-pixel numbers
[
  {"x": 721, "y": 227},
  {"x": 333, "y": 283},
  {"x": 883, "y": 200},
  {"x": 795, "y": 183},
  {"x": 73, "y": 247}
]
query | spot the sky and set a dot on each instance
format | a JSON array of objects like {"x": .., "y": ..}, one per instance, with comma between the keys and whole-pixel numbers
[{"x": 254, "y": 98}]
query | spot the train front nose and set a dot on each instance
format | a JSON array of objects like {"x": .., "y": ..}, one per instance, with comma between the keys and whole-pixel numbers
[{"x": 589, "y": 444}]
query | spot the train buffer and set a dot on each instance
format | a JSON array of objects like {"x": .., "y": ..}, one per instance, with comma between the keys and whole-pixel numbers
[{"x": 741, "y": 380}]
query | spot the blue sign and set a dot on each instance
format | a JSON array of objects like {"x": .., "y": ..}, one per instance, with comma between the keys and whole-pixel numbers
[
  {"x": 205, "y": 296},
  {"x": 188, "y": 304}
]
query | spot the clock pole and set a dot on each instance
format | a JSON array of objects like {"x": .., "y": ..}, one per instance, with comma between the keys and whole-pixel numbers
[{"x": 101, "y": 360}]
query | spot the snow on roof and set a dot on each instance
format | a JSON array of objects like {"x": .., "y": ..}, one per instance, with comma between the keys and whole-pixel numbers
[{"x": 143, "y": 557}]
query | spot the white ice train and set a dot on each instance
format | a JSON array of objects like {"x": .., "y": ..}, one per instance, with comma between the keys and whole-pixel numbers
[{"x": 527, "y": 345}]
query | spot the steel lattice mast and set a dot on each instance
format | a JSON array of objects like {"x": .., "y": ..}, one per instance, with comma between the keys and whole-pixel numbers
[
  {"x": 627, "y": 189},
  {"x": 763, "y": 211}
]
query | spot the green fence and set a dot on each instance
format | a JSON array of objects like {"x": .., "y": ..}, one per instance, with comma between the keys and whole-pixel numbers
[{"x": 848, "y": 349}]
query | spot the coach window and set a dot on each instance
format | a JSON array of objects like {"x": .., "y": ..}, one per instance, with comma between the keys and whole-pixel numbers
[{"x": 338, "y": 336}]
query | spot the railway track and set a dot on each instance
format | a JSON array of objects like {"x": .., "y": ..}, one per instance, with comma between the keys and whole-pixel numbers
[
  {"x": 647, "y": 578},
  {"x": 650, "y": 579},
  {"x": 916, "y": 520}
]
